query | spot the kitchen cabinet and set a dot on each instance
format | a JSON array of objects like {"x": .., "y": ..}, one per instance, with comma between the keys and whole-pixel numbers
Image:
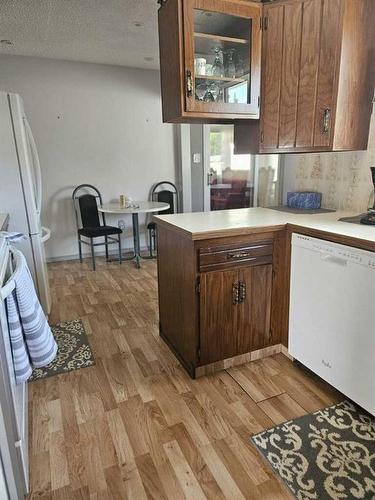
[
  {"x": 235, "y": 311},
  {"x": 210, "y": 57},
  {"x": 318, "y": 72},
  {"x": 219, "y": 315},
  {"x": 221, "y": 299}
]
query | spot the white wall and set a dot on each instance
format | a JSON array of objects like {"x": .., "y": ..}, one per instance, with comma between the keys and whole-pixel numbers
[
  {"x": 93, "y": 124},
  {"x": 343, "y": 178},
  {"x": 197, "y": 169}
]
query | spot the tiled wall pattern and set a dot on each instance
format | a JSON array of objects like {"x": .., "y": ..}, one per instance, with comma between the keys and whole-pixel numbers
[{"x": 343, "y": 178}]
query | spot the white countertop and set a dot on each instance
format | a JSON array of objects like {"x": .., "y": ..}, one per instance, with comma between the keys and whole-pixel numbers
[
  {"x": 3, "y": 218},
  {"x": 199, "y": 225}
]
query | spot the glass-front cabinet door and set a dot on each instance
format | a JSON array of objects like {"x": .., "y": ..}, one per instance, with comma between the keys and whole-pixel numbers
[{"x": 222, "y": 57}]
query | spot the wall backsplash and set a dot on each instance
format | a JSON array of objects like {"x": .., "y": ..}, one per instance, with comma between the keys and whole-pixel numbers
[{"x": 343, "y": 178}]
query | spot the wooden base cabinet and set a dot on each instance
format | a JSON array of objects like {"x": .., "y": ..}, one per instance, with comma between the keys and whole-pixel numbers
[
  {"x": 222, "y": 297},
  {"x": 235, "y": 312},
  {"x": 318, "y": 72}
]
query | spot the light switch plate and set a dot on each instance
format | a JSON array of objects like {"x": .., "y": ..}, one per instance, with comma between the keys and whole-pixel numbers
[{"x": 196, "y": 158}]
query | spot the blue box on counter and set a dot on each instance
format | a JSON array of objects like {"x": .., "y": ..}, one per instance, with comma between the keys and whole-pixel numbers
[{"x": 306, "y": 200}]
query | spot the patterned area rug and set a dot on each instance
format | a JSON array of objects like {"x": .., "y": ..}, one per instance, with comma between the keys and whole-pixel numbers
[
  {"x": 324, "y": 455},
  {"x": 73, "y": 350}
]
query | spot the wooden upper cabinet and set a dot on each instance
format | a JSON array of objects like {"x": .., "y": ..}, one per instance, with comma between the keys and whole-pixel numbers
[
  {"x": 210, "y": 60},
  {"x": 318, "y": 72}
]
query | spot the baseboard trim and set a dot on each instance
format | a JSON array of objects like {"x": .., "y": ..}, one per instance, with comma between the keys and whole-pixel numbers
[
  {"x": 112, "y": 253},
  {"x": 211, "y": 368},
  {"x": 284, "y": 350}
]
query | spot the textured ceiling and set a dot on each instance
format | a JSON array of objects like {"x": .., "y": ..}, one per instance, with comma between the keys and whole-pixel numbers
[{"x": 98, "y": 31}]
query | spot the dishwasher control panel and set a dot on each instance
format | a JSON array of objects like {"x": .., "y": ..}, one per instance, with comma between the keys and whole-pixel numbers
[{"x": 339, "y": 252}]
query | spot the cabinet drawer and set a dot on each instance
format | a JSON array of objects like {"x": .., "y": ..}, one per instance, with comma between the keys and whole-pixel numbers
[{"x": 221, "y": 257}]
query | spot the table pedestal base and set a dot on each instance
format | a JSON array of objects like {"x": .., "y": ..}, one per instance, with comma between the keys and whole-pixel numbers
[{"x": 137, "y": 257}]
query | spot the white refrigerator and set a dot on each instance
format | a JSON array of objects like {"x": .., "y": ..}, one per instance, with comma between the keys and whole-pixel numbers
[{"x": 21, "y": 189}]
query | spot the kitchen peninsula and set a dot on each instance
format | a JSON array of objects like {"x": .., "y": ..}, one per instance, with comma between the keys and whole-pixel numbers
[{"x": 224, "y": 280}]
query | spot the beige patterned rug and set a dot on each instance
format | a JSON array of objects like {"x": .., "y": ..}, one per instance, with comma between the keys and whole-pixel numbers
[
  {"x": 329, "y": 454},
  {"x": 74, "y": 351}
]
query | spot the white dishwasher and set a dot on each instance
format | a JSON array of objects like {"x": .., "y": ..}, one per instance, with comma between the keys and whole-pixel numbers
[{"x": 332, "y": 315}]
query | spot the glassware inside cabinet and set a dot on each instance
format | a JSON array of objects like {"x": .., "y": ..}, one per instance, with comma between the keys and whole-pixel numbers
[{"x": 222, "y": 54}]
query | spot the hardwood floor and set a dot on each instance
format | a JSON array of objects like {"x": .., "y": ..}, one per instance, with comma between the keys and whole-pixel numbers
[{"x": 135, "y": 425}]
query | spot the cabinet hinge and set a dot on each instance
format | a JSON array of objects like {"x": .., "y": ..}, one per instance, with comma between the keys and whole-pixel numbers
[
  {"x": 198, "y": 286},
  {"x": 199, "y": 354},
  {"x": 264, "y": 23},
  {"x": 262, "y": 137},
  {"x": 189, "y": 83},
  {"x": 258, "y": 101}
]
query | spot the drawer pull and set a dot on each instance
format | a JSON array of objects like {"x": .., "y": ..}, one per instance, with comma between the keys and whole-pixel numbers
[
  {"x": 244, "y": 255},
  {"x": 240, "y": 255},
  {"x": 242, "y": 292},
  {"x": 235, "y": 293}
]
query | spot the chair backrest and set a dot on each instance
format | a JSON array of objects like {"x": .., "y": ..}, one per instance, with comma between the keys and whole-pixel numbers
[
  {"x": 88, "y": 206},
  {"x": 89, "y": 210},
  {"x": 166, "y": 196},
  {"x": 160, "y": 193}
]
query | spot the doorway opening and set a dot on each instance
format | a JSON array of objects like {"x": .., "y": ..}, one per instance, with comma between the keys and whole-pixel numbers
[{"x": 233, "y": 181}]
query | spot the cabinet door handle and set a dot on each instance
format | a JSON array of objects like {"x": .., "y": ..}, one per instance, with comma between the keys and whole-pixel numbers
[
  {"x": 235, "y": 293},
  {"x": 189, "y": 84},
  {"x": 242, "y": 292},
  {"x": 326, "y": 120}
]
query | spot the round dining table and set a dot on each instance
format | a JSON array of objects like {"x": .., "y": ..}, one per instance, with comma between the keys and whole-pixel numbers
[{"x": 137, "y": 207}]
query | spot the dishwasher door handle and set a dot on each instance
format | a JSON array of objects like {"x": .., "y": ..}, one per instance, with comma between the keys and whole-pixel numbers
[{"x": 334, "y": 259}]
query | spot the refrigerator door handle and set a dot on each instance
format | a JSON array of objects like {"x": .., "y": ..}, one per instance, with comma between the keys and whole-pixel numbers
[
  {"x": 38, "y": 171},
  {"x": 46, "y": 234}
]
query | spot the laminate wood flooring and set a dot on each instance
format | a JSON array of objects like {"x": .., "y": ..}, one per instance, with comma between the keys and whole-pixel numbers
[{"x": 135, "y": 425}]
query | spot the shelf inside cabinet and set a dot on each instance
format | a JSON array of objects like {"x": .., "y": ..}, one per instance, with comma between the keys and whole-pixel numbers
[
  {"x": 220, "y": 38},
  {"x": 220, "y": 78},
  {"x": 206, "y": 43}
]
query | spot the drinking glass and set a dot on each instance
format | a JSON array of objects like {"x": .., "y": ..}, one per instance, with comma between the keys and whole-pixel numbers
[
  {"x": 218, "y": 67},
  {"x": 230, "y": 68},
  {"x": 240, "y": 66},
  {"x": 215, "y": 91},
  {"x": 200, "y": 91},
  {"x": 208, "y": 96}
]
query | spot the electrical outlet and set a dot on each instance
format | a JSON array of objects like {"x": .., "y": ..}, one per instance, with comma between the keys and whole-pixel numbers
[{"x": 121, "y": 224}]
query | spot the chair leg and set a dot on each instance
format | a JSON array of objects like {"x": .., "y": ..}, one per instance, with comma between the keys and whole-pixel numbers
[
  {"x": 150, "y": 242},
  {"x": 106, "y": 248},
  {"x": 154, "y": 239},
  {"x": 119, "y": 249},
  {"x": 80, "y": 250},
  {"x": 92, "y": 254}
]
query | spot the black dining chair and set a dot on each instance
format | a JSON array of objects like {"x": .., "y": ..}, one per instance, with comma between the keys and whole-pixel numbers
[
  {"x": 88, "y": 222},
  {"x": 164, "y": 192}
]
